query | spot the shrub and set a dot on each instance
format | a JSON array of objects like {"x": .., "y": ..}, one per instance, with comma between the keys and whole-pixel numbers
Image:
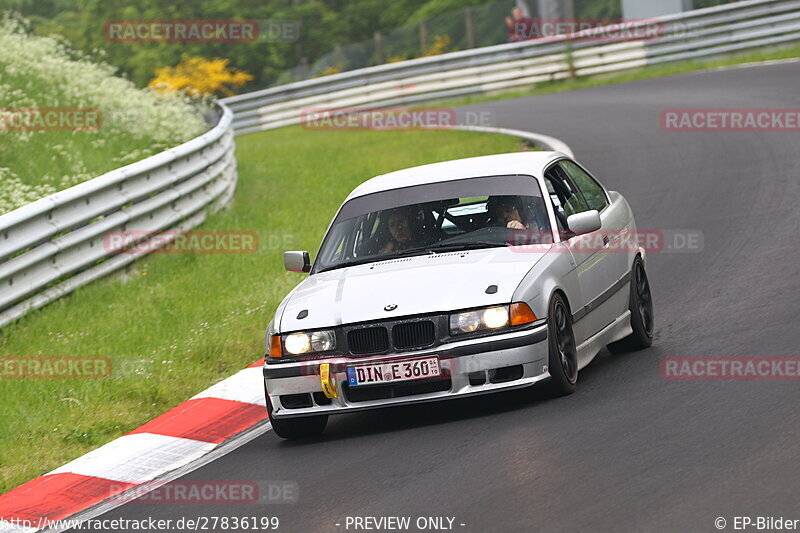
[
  {"x": 200, "y": 77},
  {"x": 44, "y": 72}
]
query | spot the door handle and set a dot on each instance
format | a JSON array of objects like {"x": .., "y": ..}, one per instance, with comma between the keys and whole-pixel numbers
[{"x": 605, "y": 239}]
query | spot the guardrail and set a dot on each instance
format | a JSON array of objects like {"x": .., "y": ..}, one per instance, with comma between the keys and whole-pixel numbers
[
  {"x": 698, "y": 34},
  {"x": 57, "y": 244}
]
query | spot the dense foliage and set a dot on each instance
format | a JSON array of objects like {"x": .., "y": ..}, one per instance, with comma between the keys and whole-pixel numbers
[{"x": 324, "y": 27}]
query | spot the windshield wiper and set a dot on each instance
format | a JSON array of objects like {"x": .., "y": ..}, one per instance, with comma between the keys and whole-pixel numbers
[
  {"x": 426, "y": 250},
  {"x": 472, "y": 245},
  {"x": 345, "y": 264},
  {"x": 378, "y": 258}
]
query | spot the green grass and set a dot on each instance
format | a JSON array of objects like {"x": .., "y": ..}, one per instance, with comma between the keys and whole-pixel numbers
[
  {"x": 669, "y": 69},
  {"x": 38, "y": 72},
  {"x": 175, "y": 324}
]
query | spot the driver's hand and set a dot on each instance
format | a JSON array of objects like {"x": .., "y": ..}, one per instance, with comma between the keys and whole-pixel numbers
[{"x": 515, "y": 224}]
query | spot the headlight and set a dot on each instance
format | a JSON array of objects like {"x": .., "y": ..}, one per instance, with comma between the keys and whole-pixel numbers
[
  {"x": 303, "y": 343},
  {"x": 465, "y": 322},
  {"x": 470, "y": 321},
  {"x": 297, "y": 343},
  {"x": 495, "y": 317}
]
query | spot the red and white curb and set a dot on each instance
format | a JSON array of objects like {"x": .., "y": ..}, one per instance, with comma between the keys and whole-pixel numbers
[{"x": 172, "y": 441}]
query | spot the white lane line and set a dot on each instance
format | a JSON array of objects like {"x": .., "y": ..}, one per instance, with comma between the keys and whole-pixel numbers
[
  {"x": 755, "y": 64},
  {"x": 557, "y": 145},
  {"x": 137, "y": 458},
  {"x": 244, "y": 386}
]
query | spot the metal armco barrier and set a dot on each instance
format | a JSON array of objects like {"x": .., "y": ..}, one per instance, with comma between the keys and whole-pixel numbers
[
  {"x": 56, "y": 244},
  {"x": 698, "y": 34}
]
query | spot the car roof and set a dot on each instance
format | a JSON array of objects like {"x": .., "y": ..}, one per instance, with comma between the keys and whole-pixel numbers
[{"x": 519, "y": 163}]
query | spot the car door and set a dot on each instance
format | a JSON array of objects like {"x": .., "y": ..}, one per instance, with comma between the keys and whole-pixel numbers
[
  {"x": 615, "y": 220},
  {"x": 595, "y": 267}
]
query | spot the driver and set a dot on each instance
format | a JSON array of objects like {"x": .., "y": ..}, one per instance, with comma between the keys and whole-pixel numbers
[
  {"x": 506, "y": 211},
  {"x": 401, "y": 231}
]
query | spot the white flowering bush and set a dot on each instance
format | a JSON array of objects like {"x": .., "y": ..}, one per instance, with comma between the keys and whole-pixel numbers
[{"x": 38, "y": 71}]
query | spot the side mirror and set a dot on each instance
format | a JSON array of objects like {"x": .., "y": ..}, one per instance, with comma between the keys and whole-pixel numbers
[
  {"x": 297, "y": 261},
  {"x": 586, "y": 222}
]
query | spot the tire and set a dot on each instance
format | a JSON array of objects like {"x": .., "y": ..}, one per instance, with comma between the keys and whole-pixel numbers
[
  {"x": 641, "y": 308},
  {"x": 563, "y": 358},
  {"x": 299, "y": 428}
]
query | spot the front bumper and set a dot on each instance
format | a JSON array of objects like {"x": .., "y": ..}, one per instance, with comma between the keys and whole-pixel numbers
[{"x": 506, "y": 361}]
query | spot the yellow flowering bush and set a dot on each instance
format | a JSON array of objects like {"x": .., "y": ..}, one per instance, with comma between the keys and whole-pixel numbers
[
  {"x": 200, "y": 77},
  {"x": 331, "y": 69},
  {"x": 439, "y": 46}
]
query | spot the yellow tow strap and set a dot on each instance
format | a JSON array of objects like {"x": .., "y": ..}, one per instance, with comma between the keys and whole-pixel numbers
[{"x": 326, "y": 380}]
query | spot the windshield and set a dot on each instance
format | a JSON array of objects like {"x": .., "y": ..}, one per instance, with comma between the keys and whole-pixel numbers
[{"x": 446, "y": 216}]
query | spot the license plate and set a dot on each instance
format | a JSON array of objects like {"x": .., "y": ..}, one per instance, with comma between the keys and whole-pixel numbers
[{"x": 392, "y": 372}]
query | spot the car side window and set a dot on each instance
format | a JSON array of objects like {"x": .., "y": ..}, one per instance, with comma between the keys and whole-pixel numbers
[
  {"x": 567, "y": 200},
  {"x": 592, "y": 191}
]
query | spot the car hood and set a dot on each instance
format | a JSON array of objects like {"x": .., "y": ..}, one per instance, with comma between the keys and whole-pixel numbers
[{"x": 406, "y": 286}]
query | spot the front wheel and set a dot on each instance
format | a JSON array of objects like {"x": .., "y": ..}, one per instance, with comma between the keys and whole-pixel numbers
[
  {"x": 641, "y": 307},
  {"x": 563, "y": 358}
]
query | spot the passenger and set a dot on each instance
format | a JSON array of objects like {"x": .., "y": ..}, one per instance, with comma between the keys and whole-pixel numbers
[
  {"x": 401, "y": 232},
  {"x": 506, "y": 211}
]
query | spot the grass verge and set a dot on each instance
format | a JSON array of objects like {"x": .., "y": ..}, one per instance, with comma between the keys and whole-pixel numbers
[
  {"x": 175, "y": 324},
  {"x": 125, "y": 124}
]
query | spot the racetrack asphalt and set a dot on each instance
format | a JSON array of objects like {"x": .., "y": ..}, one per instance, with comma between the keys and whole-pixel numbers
[{"x": 629, "y": 451}]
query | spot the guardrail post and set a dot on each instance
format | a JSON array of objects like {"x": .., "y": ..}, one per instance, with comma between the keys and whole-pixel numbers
[
  {"x": 378, "y": 48},
  {"x": 468, "y": 27},
  {"x": 569, "y": 12}
]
